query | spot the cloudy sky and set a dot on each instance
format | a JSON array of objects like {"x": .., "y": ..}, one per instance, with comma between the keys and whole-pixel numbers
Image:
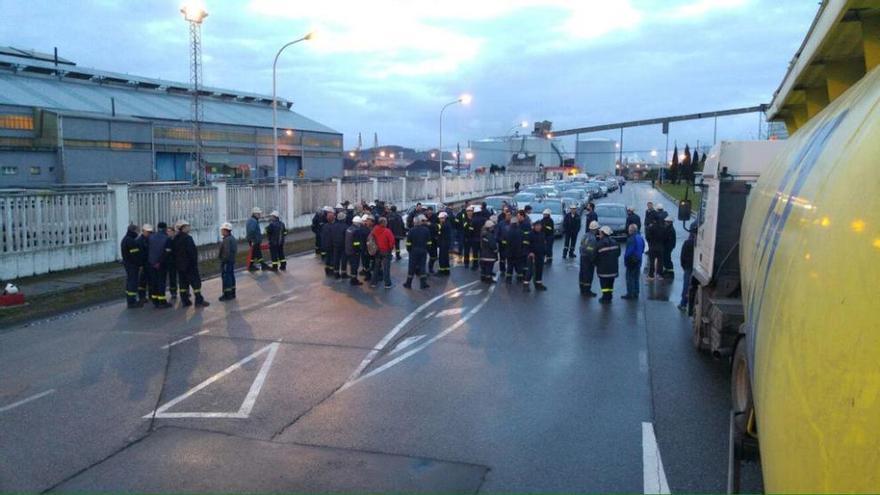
[{"x": 388, "y": 66}]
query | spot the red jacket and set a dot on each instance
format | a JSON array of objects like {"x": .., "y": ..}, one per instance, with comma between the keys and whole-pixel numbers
[{"x": 384, "y": 239}]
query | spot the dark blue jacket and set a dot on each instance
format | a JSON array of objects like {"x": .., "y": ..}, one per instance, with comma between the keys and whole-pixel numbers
[
  {"x": 571, "y": 224},
  {"x": 635, "y": 249},
  {"x": 418, "y": 239},
  {"x": 159, "y": 248},
  {"x": 515, "y": 242}
]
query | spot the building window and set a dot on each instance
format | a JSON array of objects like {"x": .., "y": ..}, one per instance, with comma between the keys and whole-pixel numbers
[
  {"x": 36, "y": 171},
  {"x": 18, "y": 122},
  {"x": 10, "y": 170}
]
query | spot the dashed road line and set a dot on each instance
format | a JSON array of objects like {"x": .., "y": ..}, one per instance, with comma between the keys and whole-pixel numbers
[
  {"x": 654, "y": 475},
  {"x": 450, "y": 312},
  {"x": 26, "y": 400},
  {"x": 180, "y": 341}
]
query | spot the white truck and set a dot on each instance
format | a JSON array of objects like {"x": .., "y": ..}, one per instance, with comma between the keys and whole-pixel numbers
[{"x": 731, "y": 169}]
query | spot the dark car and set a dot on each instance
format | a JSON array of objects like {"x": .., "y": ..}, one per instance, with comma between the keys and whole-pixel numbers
[{"x": 614, "y": 216}]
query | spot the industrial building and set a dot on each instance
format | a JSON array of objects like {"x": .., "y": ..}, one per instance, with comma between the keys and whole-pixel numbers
[
  {"x": 597, "y": 156},
  {"x": 517, "y": 153},
  {"x": 64, "y": 124}
]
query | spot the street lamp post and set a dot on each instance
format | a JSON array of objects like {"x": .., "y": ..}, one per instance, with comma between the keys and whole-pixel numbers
[
  {"x": 275, "y": 115},
  {"x": 464, "y": 100}
]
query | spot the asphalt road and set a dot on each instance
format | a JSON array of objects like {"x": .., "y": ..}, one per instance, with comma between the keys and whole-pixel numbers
[{"x": 308, "y": 384}]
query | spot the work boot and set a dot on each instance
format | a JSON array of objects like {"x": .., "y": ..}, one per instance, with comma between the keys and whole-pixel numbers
[
  {"x": 133, "y": 305},
  {"x": 408, "y": 283},
  {"x": 161, "y": 305},
  {"x": 397, "y": 256},
  {"x": 265, "y": 267},
  {"x": 185, "y": 301},
  {"x": 174, "y": 296},
  {"x": 200, "y": 301},
  {"x": 548, "y": 261},
  {"x": 284, "y": 266},
  {"x": 141, "y": 302},
  {"x": 355, "y": 281},
  {"x": 272, "y": 268},
  {"x": 224, "y": 297},
  {"x": 423, "y": 283},
  {"x": 591, "y": 293},
  {"x": 540, "y": 286},
  {"x": 564, "y": 253}
]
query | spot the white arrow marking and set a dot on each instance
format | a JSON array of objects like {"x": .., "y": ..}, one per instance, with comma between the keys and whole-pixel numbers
[
  {"x": 475, "y": 292},
  {"x": 406, "y": 343},
  {"x": 450, "y": 312},
  {"x": 655, "y": 476},
  {"x": 244, "y": 411}
]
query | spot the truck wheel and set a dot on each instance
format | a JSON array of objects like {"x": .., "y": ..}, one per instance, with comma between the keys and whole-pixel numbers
[{"x": 743, "y": 435}]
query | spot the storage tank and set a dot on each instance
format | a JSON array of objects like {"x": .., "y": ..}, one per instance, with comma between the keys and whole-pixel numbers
[{"x": 596, "y": 156}]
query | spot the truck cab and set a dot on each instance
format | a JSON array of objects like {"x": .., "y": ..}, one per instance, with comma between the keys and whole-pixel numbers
[{"x": 731, "y": 169}]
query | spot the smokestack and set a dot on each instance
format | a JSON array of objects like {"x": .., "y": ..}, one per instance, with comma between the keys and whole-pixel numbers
[
  {"x": 113, "y": 106},
  {"x": 56, "y": 56}
]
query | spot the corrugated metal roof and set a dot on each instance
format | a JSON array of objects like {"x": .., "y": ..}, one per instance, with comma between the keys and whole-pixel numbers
[{"x": 50, "y": 92}]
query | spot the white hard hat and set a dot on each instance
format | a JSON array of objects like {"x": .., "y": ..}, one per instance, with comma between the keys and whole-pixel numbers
[
  {"x": 327, "y": 209},
  {"x": 442, "y": 214},
  {"x": 366, "y": 217},
  {"x": 338, "y": 206},
  {"x": 257, "y": 211},
  {"x": 341, "y": 215},
  {"x": 11, "y": 288},
  {"x": 573, "y": 206},
  {"x": 470, "y": 208},
  {"x": 182, "y": 223},
  {"x": 659, "y": 207},
  {"x": 275, "y": 214},
  {"x": 606, "y": 230},
  {"x": 372, "y": 205},
  {"x": 594, "y": 225},
  {"x": 357, "y": 220},
  {"x": 226, "y": 226},
  {"x": 478, "y": 209},
  {"x": 489, "y": 224},
  {"x": 147, "y": 228},
  {"x": 547, "y": 211},
  {"x": 350, "y": 206},
  {"x": 669, "y": 219},
  {"x": 420, "y": 218}
]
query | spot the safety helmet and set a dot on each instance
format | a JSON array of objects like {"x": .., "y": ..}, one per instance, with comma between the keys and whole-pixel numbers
[
  {"x": 275, "y": 214},
  {"x": 357, "y": 220},
  {"x": 659, "y": 207},
  {"x": 226, "y": 226},
  {"x": 478, "y": 209},
  {"x": 147, "y": 227},
  {"x": 257, "y": 211},
  {"x": 668, "y": 219},
  {"x": 181, "y": 223},
  {"x": 594, "y": 225},
  {"x": 470, "y": 208},
  {"x": 489, "y": 224},
  {"x": 547, "y": 211},
  {"x": 11, "y": 289},
  {"x": 327, "y": 209},
  {"x": 420, "y": 218},
  {"x": 606, "y": 230},
  {"x": 339, "y": 206},
  {"x": 442, "y": 214}
]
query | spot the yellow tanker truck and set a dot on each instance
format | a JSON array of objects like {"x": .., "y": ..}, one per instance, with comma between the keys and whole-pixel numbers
[{"x": 806, "y": 356}]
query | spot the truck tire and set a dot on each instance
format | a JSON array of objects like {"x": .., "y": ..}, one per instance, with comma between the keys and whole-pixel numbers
[{"x": 744, "y": 441}]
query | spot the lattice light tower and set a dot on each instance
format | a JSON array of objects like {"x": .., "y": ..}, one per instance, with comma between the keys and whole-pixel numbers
[{"x": 194, "y": 12}]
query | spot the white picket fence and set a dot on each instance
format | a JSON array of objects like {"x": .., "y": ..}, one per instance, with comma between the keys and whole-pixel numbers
[{"x": 49, "y": 231}]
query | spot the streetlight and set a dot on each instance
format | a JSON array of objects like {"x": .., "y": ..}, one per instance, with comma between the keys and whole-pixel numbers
[
  {"x": 194, "y": 13},
  {"x": 275, "y": 114},
  {"x": 464, "y": 99},
  {"x": 382, "y": 153}
]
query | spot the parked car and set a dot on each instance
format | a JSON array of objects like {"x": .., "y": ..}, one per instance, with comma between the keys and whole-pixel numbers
[
  {"x": 496, "y": 203},
  {"x": 524, "y": 199},
  {"x": 614, "y": 216},
  {"x": 578, "y": 197},
  {"x": 557, "y": 212}
]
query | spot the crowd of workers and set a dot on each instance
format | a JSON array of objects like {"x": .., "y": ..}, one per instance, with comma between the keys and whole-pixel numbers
[{"x": 361, "y": 241}]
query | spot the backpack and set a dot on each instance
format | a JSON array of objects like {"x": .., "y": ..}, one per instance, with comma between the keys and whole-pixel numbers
[{"x": 372, "y": 247}]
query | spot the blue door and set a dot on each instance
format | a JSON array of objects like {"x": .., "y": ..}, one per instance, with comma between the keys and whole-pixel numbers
[{"x": 171, "y": 166}]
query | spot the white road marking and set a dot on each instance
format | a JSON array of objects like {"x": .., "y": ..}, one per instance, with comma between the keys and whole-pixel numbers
[
  {"x": 655, "y": 476},
  {"x": 450, "y": 312},
  {"x": 421, "y": 347},
  {"x": 643, "y": 361},
  {"x": 283, "y": 301},
  {"x": 26, "y": 400},
  {"x": 406, "y": 343},
  {"x": 456, "y": 295},
  {"x": 429, "y": 315},
  {"x": 475, "y": 292},
  {"x": 394, "y": 331},
  {"x": 167, "y": 346},
  {"x": 244, "y": 411}
]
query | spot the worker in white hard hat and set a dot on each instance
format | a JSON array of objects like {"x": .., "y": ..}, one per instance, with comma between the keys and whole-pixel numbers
[
  {"x": 186, "y": 254},
  {"x": 549, "y": 229},
  {"x": 488, "y": 252},
  {"x": 355, "y": 244},
  {"x": 254, "y": 236},
  {"x": 589, "y": 249},
  {"x": 275, "y": 233},
  {"x": 607, "y": 263},
  {"x": 226, "y": 255},
  {"x": 442, "y": 237}
]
